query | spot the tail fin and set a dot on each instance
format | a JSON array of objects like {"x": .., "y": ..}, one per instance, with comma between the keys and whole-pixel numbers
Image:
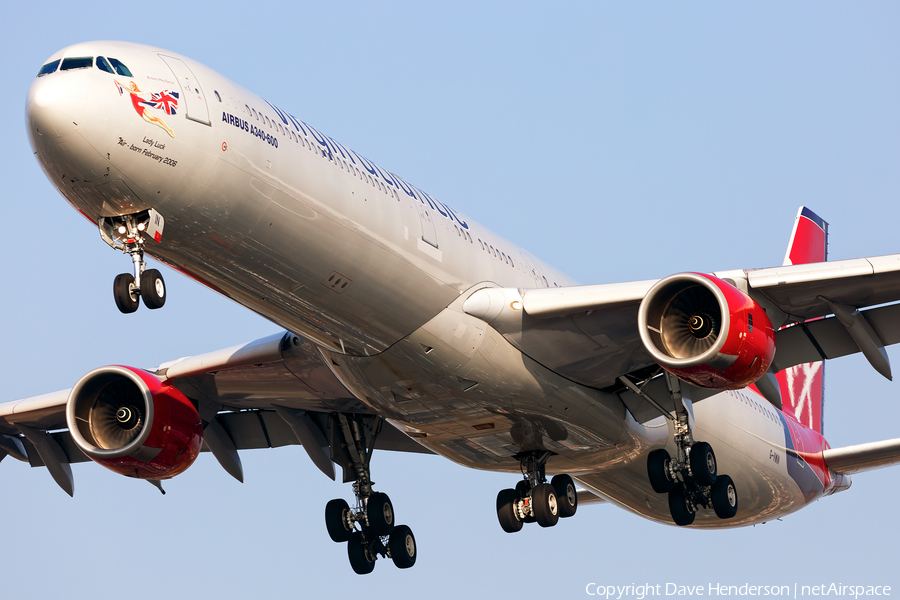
[{"x": 803, "y": 386}]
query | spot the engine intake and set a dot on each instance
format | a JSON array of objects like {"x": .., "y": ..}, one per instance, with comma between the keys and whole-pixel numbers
[
  {"x": 134, "y": 424},
  {"x": 706, "y": 331}
]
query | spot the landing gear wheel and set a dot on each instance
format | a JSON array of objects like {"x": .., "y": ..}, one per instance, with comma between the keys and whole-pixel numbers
[
  {"x": 658, "y": 471},
  {"x": 703, "y": 463},
  {"x": 127, "y": 298},
  {"x": 506, "y": 511},
  {"x": 380, "y": 513},
  {"x": 682, "y": 514},
  {"x": 724, "y": 497},
  {"x": 361, "y": 560},
  {"x": 340, "y": 529},
  {"x": 546, "y": 506},
  {"x": 403, "y": 547},
  {"x": 566, "y": 495},
  {"x": 153, "y": 289}
]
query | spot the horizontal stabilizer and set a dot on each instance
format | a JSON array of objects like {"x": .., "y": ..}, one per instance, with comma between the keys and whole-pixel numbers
[{"x": 864, "y": 457}]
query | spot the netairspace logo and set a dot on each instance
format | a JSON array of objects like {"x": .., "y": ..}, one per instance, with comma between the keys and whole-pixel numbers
[{"x": 647, "y": 590}]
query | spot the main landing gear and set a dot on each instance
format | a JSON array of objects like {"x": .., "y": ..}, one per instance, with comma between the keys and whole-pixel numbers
[
  {"x": 691, "y": 478},
  {"x": 368, "y": 528},
  {"x": 534, "y": 500},
  {"x": 128, "y": 234}
]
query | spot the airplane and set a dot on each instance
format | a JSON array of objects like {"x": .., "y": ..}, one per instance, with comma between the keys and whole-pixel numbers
[{"x": 410, "y": 327}]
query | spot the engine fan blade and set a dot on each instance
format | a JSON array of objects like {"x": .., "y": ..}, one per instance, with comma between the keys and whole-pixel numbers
[
  {"x": 118, "y": 415},
  {"x": 691, "y": 322}
]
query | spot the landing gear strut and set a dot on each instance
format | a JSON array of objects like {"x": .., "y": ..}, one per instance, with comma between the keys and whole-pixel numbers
[
  {"x": 368, "y": 528},
  {"x": 691, "y": 477},
  {"x": 128, "y": 234},
  {"x": 534, "y": 500}
]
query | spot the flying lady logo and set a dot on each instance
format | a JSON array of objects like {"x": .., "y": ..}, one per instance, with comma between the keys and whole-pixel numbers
[{"x": 165, "y": 100}]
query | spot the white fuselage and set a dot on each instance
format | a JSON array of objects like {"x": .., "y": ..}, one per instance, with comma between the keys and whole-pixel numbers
[{"x": 268, "y": 211}]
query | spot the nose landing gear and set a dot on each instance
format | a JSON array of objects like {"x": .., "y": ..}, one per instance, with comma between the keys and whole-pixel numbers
[{"x": 128, "y": 233}]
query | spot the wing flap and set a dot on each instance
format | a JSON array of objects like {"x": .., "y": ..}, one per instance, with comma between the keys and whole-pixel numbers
[
  {"x": 828, "y": 338},
  {"x": 253, "y": 429},
  {"x": 863, "y": 457}
]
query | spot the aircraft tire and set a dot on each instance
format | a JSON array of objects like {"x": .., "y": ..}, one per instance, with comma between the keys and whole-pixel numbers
[
  {"x": 380, "y": 514},
  {"x": 703, "y": 464},
  {"x": 153, "y": 289},
  {"x": 657, "y": 467},
  {"x": 336, "y": 520},
  {"x": 566, "y": 495},
  {"x": 123, "y": 291},
  {"x": 546, "y": 505},
  {"x": 724, "y": 497},
  {"x": 678, "y": 507},
  {"x": 506, "y": 512},
  {"x": 403, "y": 547},
  {"x": 361, "y": 561}
]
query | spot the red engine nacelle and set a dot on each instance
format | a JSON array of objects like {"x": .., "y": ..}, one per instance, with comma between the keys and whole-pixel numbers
[
  {"x": 132, "y": 423},
  {"x": 706, "y": 331}
]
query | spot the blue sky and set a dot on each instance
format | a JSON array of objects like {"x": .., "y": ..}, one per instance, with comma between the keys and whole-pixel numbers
[{"x": 617, "y": 141}]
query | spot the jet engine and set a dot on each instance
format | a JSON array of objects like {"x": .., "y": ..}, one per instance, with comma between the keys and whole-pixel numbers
[
  {"x": 706, "y": 331},
  {"x": 134, "y": 424}
]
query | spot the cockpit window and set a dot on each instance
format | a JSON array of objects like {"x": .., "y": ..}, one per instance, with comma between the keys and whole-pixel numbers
[
  {"x": 120, "y": 68},
  {"x": 77, "y": 63},
  {"x": 103, "y": 65},
  {"x": 50, "y": 67}
]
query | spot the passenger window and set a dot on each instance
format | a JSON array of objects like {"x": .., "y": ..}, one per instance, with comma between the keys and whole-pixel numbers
[
  {"x": 69, "y": 64},
  {"x": 120, "y": 68},
  {"x": 50, "y": 67},
  {"x": 545, "y": 281},
  {"x": 268, "y": 123},
  {"x": 103, "y": 65},
  {"x": 255, "y": 116}
]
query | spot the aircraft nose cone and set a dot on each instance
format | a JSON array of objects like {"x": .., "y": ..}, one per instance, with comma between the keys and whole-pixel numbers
[{"x": 55, "y": 107}]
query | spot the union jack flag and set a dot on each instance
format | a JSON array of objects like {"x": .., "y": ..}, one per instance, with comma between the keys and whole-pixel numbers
[{"x": 166, "y": 100}]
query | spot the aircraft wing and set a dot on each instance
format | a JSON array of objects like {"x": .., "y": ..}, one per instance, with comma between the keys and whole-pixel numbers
[
  {"x": 272, "y": 392},
  {"x": 590, "y": 333}
]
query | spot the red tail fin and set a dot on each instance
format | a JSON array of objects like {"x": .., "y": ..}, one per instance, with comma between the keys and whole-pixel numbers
[{"x": 803, "y": 386}]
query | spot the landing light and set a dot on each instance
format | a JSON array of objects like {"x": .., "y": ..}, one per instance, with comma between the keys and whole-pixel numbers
[{"x": 122, "y": 229}]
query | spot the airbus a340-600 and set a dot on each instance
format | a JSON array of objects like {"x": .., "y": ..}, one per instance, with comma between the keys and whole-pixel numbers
[{"x": 410, "y": 327}]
